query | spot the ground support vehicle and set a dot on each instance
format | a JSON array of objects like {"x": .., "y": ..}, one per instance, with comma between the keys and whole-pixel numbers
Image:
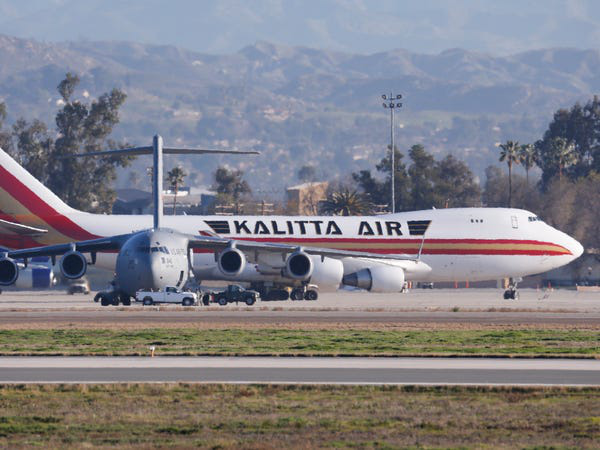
[
  {"x": 168, "y": 295},
  {"x": 80, "y": 286},
  {"x": 236, "y": 293}
]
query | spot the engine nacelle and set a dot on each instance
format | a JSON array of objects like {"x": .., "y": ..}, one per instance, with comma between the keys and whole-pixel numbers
[
  {"x": 377, "y": 279},
  {"x": 9, "y": 271},
  {"x": 298, "y": 266},
  {"x": 231, "y": 262},
  {"x": 73, "y": 265},
  {"x": 327, "y": 272},
  {"x": 320, "y": 271}
]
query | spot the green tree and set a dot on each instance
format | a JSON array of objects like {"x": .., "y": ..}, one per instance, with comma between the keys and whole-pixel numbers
[
  {"x": 175, "y": 178},
  {"x": 580, "y": 126},
  {"x": 554, "y": 156},
  {"x": 454, "y": 184},
  {"x": 372, "y": 188},
  {"x": 422, "y": 178},
  {"x": 401, "y": 180},
  {"x": 80, "y": 127},
  {"x": 527, "y": 156},
  {"x": 83, "y": 128},
  {"x": 35, "y": 145},
  {"x": 231, "y": 186},
  {"x": 5, "y": 136},
  {"x": 346, "y": 202},
  {"x": 510, "y": 153}
]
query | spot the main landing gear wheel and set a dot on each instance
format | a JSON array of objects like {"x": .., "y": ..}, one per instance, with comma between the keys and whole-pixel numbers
[
  {"x": 104, "y": 300},
  {"x": 125, "y": 300},
  {"x": 297, "y": 294},
  {"x": 311, "y": 294}
]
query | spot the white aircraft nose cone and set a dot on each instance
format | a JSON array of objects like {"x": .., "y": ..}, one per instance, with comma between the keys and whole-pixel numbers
[{"x": 575, "y": 248}]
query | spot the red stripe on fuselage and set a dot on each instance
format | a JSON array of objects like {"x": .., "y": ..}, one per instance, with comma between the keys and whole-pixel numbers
[
  {"x": 398, "y": 249},
  {"x": 41, "y": 209}
]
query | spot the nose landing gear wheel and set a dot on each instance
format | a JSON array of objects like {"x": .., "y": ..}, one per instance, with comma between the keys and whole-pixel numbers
[{"x": 512, "y": 293}]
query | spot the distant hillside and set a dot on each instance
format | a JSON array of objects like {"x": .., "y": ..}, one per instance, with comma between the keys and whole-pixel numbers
[{"x": 301, "y": 105}]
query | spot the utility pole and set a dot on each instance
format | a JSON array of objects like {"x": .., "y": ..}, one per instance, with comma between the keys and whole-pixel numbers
[{"x": 391, "y": 103}]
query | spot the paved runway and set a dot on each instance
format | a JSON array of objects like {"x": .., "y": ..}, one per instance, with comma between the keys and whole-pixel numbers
[{"x": 421, "y": 371}]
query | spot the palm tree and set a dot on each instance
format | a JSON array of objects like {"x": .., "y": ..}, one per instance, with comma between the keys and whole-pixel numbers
[
  {"x": 510, "y": 154},
  {"x": 563, "y": 154},
  {"x": 175, "y": 178},
  {"x": 527, "y": 155},
  {"x": 345, "y": 202}
]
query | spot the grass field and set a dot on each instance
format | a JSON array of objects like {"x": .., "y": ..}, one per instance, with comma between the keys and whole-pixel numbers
[
  {"x": 314, "y": 342},
  {"x": 232, "y": 416}
]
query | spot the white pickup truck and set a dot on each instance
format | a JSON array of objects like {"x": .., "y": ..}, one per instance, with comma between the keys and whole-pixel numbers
[{"x": 169, "y": 295}]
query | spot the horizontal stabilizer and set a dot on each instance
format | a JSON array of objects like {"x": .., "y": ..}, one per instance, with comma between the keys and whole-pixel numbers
[
  {"x": 133, "y": 151},
  {"x": 12, "y": 228}
]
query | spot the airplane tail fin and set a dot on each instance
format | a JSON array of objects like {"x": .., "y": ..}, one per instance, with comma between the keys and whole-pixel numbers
[{"x": 22, "y": 195}]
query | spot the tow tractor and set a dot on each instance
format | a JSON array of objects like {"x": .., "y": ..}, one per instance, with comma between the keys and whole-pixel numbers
[{"x": 168, "y": 295}]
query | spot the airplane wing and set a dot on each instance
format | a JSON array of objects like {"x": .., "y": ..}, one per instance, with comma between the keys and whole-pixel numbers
[
  {"x": 92, "y": 245},
  {"x": 218, "y": 243},
  {"x": 17, "y": 229}
]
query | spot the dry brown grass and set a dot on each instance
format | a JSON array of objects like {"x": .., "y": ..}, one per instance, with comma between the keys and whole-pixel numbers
[{"x": 229, "y": 416}]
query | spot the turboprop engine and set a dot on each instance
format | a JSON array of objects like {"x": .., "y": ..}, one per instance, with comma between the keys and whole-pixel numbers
[
  {"x": 231, "y": 261},
  {"x": 377, "y": 279},
  {"x": 9, "y": 271},
  {"x": 73, "y": 265},
  {"x": 321, "y": 271}
]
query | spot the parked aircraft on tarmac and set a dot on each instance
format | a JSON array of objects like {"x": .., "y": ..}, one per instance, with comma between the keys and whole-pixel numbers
[{"x": 376, "y": 253}]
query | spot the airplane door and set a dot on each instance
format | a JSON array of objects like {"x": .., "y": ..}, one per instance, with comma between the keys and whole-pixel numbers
[{"x": 514, "y": 221}]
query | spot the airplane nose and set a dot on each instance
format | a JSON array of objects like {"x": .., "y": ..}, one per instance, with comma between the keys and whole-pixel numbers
[{"x": 575, "y": 248}]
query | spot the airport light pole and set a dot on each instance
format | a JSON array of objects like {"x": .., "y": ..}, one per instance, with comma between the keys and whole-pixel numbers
[{"x": 391, "y": 103}]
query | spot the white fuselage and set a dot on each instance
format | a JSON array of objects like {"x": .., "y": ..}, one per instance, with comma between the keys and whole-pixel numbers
[{"x": 459, "y": 244}]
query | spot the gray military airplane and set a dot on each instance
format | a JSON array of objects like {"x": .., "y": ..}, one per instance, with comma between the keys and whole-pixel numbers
[{"x": 152, "y": 259}]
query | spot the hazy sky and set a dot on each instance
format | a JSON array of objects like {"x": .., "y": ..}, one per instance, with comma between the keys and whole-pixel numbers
[{"x": 363, "y": 26}]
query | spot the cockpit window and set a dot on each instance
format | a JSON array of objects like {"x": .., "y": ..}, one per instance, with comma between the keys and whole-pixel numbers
[{"x": 534, "y": 219}]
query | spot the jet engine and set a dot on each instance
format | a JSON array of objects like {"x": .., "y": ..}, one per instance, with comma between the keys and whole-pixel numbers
[
  {"x": 231, "y": 262},
  {"x": 377, "y": 279},
  {"x": 73, "y": 265},
  {"x": 298, "y": 266},
  {"x": 9, "y": 271},
  {"x": 320, "y": 271}
]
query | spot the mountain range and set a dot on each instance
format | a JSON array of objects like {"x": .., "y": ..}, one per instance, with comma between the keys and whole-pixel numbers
[{"x": 303, "y": 105}]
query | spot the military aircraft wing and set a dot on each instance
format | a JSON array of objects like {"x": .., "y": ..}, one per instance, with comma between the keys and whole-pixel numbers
[{"x": 92, "y": 245}]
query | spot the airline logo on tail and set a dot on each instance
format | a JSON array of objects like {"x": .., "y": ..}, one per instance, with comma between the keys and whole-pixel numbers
[{"x": 26, "y": 201}]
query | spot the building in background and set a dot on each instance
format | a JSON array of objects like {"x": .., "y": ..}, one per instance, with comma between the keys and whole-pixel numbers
[{"x": 304, "y": 199}]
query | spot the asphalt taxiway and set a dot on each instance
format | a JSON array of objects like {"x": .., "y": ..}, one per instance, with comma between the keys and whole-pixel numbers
[
  {"x": 413, "y": 371},
  {"x": 479, "y": 306}
]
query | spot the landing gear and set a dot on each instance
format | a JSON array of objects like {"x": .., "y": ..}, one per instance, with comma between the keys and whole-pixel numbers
[
  {"x": 297, "y": 294},
  {"x": 311, "y": 294},
  {"x": 512, "y": 293}
]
